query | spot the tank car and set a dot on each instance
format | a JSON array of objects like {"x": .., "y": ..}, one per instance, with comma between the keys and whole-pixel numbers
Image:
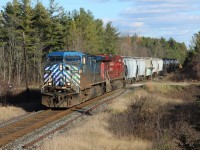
[{"x": 74, "y": 77}]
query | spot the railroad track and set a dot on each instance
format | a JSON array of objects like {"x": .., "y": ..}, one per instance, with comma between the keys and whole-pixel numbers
[{"x": 9, "y": 133}]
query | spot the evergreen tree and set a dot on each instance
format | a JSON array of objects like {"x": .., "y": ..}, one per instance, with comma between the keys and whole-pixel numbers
[
  {"x": 110, "y": 38},
  {"x": 11, "y": 29},
  {"x": 56, "y": 30},
  {"x": 100, "y": 35},
  {"x": 196, "y": 42}
]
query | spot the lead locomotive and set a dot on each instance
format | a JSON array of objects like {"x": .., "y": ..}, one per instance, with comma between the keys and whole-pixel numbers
[{"x": 74, "y": 77}]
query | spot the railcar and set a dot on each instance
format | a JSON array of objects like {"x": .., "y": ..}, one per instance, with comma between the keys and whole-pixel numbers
[
  {"x": 166, "y": 64},
  {"x": 74, "y": 77},
  {"x": 157, "y": 66},
  {"x": 135, "y": 69},
  {"x": 131, "y": 69},
  {"x": 148, "y": 67},
  {"x": 160, "y": 65},
  {"x": 170, "y": 65},
  {"x": 141, "y": 68},
  {"x": 175, "y": 64}
]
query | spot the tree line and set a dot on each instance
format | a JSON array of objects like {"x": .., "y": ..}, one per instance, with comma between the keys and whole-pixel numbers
[
  {"x": 152, "y": 47},
  {"x": 28, "y": 32}
]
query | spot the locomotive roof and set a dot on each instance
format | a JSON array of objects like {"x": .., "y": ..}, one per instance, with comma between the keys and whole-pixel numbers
[{"x": 66, "y": 53}]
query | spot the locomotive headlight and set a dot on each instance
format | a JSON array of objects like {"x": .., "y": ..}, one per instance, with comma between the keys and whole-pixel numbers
[
  {"x": 61, "y": 67},
  {"x": 68, "y": 83},
  {"x": 49, "y": 83}
]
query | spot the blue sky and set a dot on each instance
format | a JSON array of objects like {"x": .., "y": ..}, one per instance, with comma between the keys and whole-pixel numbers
[{"x": 179, "y": 19}]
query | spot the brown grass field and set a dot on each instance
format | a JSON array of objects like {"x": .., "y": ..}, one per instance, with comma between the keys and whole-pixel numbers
[
  {"x": 156, "y": 116},
  {"x": 94, "y": 133},
  {"x": 8, "y": 112}
]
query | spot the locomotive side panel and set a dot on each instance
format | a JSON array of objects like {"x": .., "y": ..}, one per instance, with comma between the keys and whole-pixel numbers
[
  {"x": 91, "y": 73},
  {"x": 116, "y": 68}
]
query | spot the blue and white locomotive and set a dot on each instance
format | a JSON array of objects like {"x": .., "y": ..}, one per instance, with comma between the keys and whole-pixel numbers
[{"x": 61, "y": 77}]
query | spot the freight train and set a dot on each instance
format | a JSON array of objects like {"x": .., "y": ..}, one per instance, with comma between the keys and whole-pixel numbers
[{"x": 71, "y": 77}]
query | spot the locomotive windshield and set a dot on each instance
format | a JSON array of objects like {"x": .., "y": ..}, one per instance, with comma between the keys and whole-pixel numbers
[
  {"x": 55, "y": 59},
  {"x": 75, "y": 60}
]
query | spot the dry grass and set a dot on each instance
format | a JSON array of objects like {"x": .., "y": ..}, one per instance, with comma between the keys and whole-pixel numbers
[
  {"x": 146, "y": 118},
  {"x": 10, "y": 112},
  {"x": 121, "y": 104},
  {"x": 160, "y": 113},
  {"x": 94, "y": 133}
]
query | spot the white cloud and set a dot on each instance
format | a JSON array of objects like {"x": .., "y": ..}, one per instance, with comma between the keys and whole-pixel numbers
[
  {"x": 136, "y": 24},
  {"x": 157, "y": 18},
  {"x": 167, "y": 18}
]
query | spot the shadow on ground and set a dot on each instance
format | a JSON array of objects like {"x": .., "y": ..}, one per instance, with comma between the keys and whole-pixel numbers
[{"x": 29, "y": 101}]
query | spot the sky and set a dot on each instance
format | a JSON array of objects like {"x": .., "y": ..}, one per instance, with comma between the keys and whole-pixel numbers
[{"x": 179, "y": 19}]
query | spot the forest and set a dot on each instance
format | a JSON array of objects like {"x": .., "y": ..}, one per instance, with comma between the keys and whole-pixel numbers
[{"x": 28, "y": 32}]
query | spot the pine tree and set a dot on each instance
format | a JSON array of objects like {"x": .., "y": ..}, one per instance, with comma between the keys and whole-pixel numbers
[
  {"x": 56, "y": 30},
  {"x": 196, "y": 42},
  {"x": 110, "y": 38},
  {"x": 11, "y": 30},
  {"x": 100, "y": 34}
]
